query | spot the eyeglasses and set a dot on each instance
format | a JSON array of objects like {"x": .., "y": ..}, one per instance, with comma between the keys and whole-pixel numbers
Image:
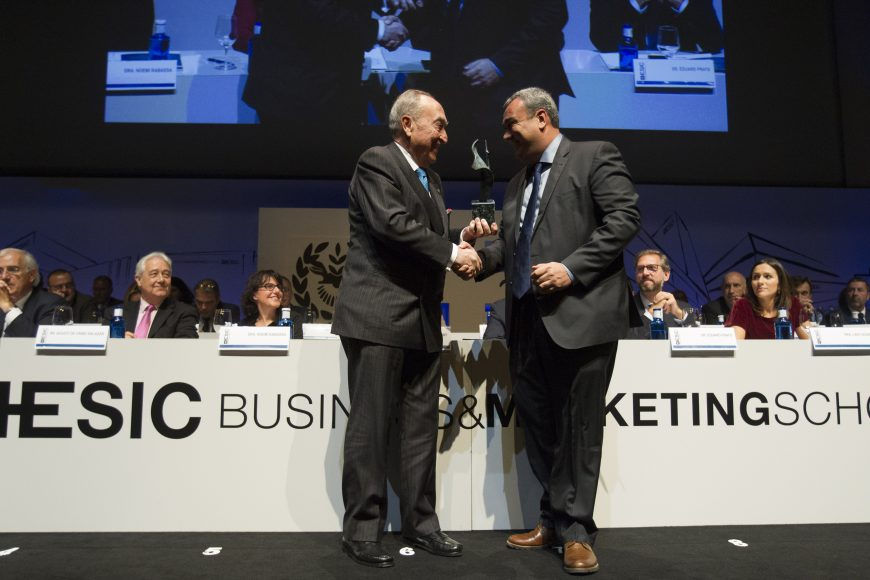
[
  {"x": 651, "y": 267},
  {"x": 271, "y": 287},
  {"x": 11, "y": 270}
]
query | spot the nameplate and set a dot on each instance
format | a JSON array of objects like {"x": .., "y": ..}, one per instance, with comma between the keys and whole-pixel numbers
[
  {"x": 841, "y": 339},
  {"x": 318, "y": 332},
  {"x": 254, "y": 339},
  {"x": 85, "y": 338},
  {"x": 143, "y": 75},
  {"x": 674, "y": 74},
  {"x": 709, "y": 339}
]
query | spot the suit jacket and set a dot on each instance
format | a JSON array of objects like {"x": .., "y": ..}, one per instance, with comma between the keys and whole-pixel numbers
[
  {"x": 307, "y": 62},
  {"x": 713, "y": 309},
  {"x": 37, "y": 310},
  {"x": 523, "y": 39},
  {"x": 642, "y": 332},
  {"x": 81, "y": 306},
  {"x": 698, "y": 25},
  {"x": 393, "y": 280},
  {"x": 171, "y": 320},
  {"x": 587, "y": 215}
]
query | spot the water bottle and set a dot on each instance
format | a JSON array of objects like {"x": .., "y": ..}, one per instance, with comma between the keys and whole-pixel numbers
[
  {"x": 487, "y": 308},
  {"x": 782, "y": 326},
  {"x": 116, "y": 326},
  {"x": 158, "y": 46},
  {"x": 657, "y": 328},
  {"x": 627, "y": 48},
  {"x": 286, "y": 320},
  {"x": 720, "y": 319},
  {"x": 258, "y": 27}
]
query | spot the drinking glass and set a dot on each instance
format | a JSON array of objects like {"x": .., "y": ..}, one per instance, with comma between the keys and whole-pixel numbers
[
  {"x": 222, "y": 317},
  {"x": 693, "y": 316},
  {"x": 62, "y": 315},
  {"x": 835, "y": 317},
  {"x": 225, "y": 32},
  {"x": 668, "y": 40}
]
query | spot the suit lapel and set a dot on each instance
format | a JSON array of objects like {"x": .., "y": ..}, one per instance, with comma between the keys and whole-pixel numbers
[
  {"x": 559, "y": 164},
  {"x": 161, "y": 316},
  {"x": 431, "y": 207}
]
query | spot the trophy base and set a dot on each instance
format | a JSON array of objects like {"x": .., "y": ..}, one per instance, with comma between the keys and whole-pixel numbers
[{"x": 484, "y": 210}]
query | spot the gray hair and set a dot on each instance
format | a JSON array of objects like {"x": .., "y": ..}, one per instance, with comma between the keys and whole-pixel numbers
[
  {"x": 406, "y": 104},
  {"x": 666, "y": 266},
  {"x": 535, "y": 98},
  {"x": 140, "y": 265},
  {"x": 29, "y": 261}
]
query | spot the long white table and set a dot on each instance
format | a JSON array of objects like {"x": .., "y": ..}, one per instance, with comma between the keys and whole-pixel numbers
[{"x": 166, "y": 435}]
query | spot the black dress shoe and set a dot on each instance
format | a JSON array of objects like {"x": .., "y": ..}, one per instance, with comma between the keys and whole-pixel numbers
[
  {"x": 437, "y": 543},
  {"x": 367, "y": 553}
]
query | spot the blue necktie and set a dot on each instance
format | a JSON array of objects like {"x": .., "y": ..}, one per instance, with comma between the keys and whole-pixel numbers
[
  {"x": 424, "y": 179},
  {"x": 522, "y": 270}
]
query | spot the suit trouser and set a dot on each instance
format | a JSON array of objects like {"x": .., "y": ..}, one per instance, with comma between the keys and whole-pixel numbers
[
  {"x": 560, "y": 400},
  {"x": 390, "y": 388}
]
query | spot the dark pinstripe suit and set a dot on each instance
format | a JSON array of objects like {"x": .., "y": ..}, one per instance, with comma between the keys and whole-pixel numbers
[{"x": 388, "y": 317}]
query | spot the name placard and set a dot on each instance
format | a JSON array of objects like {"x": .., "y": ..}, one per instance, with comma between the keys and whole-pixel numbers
[
  {"x": 705, "y": 339},
  {"x": 142, "y": 75},
  {"x": 252, "y": 339},
  {"x": 674, "y": 74},
  {"x": 318, "y": 332},
  {"x": 841, "y": 339},
  {"x": 85, "y": 338}
]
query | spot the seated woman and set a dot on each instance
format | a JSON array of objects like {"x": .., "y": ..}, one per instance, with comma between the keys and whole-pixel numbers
[
  {"x": 261, "y": 302},
  {"x": 769, "y": 289}
]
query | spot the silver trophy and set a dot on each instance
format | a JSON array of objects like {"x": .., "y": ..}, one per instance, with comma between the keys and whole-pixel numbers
[{"x": 484, "y": 207}]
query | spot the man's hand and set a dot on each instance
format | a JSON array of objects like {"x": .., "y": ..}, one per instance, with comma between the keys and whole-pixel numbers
[
  {"x": 478, "y": 228},
  {"x": 6, "y": 303},
  {"x": 668, "y": 304},
  {"x": 128, "y": 334},
  {"x": 467, "y": 263},
  {"x": 482, "y": 73},
  {"x": 395, "y": 33},
  {"x": 406, "y": 4},
  {"x": 550, "y": 277}
]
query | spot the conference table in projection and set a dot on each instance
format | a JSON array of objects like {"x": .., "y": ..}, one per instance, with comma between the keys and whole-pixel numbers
[{"x": 170, "y": 435}]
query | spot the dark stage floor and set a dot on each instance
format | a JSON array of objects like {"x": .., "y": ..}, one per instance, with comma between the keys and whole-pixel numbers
[{"x": 809, "y": 551}]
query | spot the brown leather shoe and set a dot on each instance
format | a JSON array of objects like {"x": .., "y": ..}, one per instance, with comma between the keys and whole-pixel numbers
[
  {"x": 578, "y": 558},
  {"x": 540, "y": 537}
]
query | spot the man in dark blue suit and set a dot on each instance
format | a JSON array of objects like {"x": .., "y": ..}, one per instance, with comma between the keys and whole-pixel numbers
[
  {"x": 23, "y": 305},
  {"x": 567, "y": 218}
]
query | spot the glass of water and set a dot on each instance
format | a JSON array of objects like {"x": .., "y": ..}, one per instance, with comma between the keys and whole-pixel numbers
[{"x": 668, "y": 40}]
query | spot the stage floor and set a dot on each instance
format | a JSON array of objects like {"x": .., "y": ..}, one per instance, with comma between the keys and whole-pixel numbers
[{"x": 807, "y": 551}]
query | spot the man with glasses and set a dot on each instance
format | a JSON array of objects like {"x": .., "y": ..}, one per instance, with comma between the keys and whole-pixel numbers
[
  {"x": 156, "y": 314},
  {"x": 23, "y": 305},
  {"x": 651, "y": 271},
  {"x": 207, "y": 298},
  {"x": 61, "y": 283}
]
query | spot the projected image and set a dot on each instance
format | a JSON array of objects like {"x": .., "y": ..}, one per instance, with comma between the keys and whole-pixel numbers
[{"x": 611, "y": 64}]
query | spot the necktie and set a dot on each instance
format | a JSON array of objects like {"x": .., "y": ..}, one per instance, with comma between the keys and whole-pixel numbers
[
  {"x": 861, "y": 319},
  {"x": 522, "y": 269},
  {"x": 424, "y": 179},
  {"x": 145, "y": 323}
]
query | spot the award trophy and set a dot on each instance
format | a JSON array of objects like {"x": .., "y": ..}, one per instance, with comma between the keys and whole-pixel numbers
[{"x": 483, "y": 208}]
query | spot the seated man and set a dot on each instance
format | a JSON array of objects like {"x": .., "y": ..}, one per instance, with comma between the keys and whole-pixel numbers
[
  {"x": 733, "y": 287},
  {"x": 61, "y": 283},
  {"x": 853, "y": 301},
  {"x": 207, "y": 298},
  {"x": 156, "y": 314},
  {"x": 652, "y": 270},
  {"x": 102, "y": 303},
  {"x": 23, "y": 305}
]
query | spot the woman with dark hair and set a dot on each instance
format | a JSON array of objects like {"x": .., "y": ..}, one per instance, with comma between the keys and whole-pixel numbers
[
  {"x": 261, "y": 302},
  {"x": 769, "y": 290}
]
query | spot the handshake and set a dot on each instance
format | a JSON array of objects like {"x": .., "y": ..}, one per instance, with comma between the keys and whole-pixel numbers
[
  {"x": 395, "y": 32},
  {"x": 468, "y": 264}
]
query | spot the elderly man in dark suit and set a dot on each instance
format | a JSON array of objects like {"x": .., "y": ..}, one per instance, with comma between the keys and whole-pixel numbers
[
  {"x": 388, "y": 318},
  {"x": 156, "y": 314},
  {"x": 566, "y": 219},
  {"x": 23, "y": 305}
]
